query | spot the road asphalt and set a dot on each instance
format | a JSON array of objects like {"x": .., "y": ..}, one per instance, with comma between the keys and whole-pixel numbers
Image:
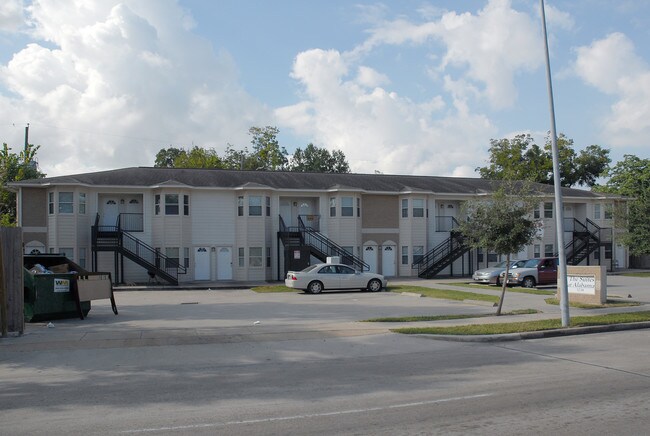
[{"x": 204, "y": 313}]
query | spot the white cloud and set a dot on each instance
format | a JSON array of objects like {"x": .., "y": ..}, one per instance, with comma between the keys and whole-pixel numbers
[
  {"x": 11, "y": 15},
  {"x": 377, "y": 129},
  {"x": 123, "y": 76},
  {"x": 612, "y": 66}
]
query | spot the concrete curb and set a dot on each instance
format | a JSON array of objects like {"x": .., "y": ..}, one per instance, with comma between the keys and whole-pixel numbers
[{"x": 571, "y": 331}]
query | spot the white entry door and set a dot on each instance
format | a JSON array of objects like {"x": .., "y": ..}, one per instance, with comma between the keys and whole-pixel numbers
[
  {"x": 388, "y": 260},
  {"x": 201, "y": 263},
  {"x": 110, "y": 212},
  {"x": 370, "y": 257},
  {"x": 224, "y": 263}
]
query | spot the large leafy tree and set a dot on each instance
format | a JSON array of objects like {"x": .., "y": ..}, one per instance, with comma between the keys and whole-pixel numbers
[
  {"x": 631, "y": 177},
  {"x": 520, "y": 158},
  {"x": 319, "y": 160},
  {"x": 15, "y": 167},
  {"x": 501, "y": 224},
  {"x": 267, "y": 153}
]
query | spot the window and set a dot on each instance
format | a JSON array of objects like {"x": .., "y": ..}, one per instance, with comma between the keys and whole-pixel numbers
[
  {"x": 418, "y": 208},
  {"x": 67, "y": 252},
  {"x": 50, "y": 203},
  {"x": 405, "y": 208},
  {"x": 156, "y": 202},
  {"x": 548, "y": 210},
  {"x": 171, "y": 204},
  {"x": 492, "y": 257},
  {"x": 609, "y": 210},
  {"x": 240, "y": 206},
  {"x": 548, "y": 250},
  {"x": 268, "y": 206},
  {"x": 597, "y": 211},
  {"x": 608, "y": 251},
  {"x": 82, "y": 257},
  {"x": 536, "y": 212},
  {"x": 268, "y": 256},
  {"x": 255, "y": 257},
  {"x": 418, "y": 253},
  {"x": 405, "y": 255},
  {"x": 241, "y": 257},
  {"x": 186, "y": 257},
  {"x": 479, "y": 255},
  {"x": 254, "y": 205},
  {"x": 186, "y": 205},
  {"x": 173, "y": 259},
  {"x": 332, "y": 206},
  {"x": 537, "y": 251},
  {"x": 358, "y": 207},
  {"x": 82, "y": 202},
  {"x": 347, "y": 206},
  {"x": 66, "y": 200}
]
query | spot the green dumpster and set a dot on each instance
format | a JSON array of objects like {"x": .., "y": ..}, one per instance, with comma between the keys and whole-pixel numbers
[{"x": 50, "y": 288}]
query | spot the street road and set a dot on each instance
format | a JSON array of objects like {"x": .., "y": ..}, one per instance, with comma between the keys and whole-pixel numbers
[{"x": 373, "y": 384}]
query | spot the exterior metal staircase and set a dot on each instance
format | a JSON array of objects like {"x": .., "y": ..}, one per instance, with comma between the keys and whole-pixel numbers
[
  {"x": 442, "y": 255},
  {"x": 320, "y": 246},
  {"x": 122, "y": 243},
  {"x": 586, "y": 238}
]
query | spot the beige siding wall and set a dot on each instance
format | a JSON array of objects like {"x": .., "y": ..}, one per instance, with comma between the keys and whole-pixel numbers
[
  {"x": 34, "y": 207},
  {"x": 380, "y": 211}
]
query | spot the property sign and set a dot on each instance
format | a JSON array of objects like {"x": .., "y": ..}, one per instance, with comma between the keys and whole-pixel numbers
[
  {"x": 581, "y": 284},
  {"x": 61, "y": 285},
  {"x": 296, "y": 254}
]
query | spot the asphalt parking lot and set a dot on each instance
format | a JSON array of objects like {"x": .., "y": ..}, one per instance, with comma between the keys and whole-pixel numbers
[{"x": 158, "y": 317}]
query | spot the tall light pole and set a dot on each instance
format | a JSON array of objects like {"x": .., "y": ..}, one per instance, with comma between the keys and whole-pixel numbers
[{"x": 559, "y": 209}]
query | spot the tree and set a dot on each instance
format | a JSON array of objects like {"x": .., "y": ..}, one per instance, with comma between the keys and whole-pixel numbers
[
  {"x": 166, "y": 158},
  {"x": 501, "y": 224},
  {"x": 13, "y": 168},
  {"x": 631, "y": 177},
  {"x": 198, "y": 157},
  {"x": 520, "y": 158},
  {"x": 319, "y": 160},
  {"x": 267, "y": 153}
]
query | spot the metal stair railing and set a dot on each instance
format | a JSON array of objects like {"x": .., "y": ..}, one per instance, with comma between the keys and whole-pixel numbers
[
  {"x": 326, "y": 247},
  {"x": 442, "y": 254},
  {"x": 113, "y": 238}
]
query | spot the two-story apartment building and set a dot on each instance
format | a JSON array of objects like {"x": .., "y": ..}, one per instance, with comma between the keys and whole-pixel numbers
[{"x": 185, "y": 225}]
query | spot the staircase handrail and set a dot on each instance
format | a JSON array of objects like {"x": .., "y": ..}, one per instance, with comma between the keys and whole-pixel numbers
[
  {"x": 332, "y": 249},
  {"x": 150, "y": 255}
]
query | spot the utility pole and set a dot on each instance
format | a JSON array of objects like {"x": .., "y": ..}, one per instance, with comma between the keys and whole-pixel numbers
[
  {"x": 26, "y": 137},
  {"x": 559, "y": 207}
]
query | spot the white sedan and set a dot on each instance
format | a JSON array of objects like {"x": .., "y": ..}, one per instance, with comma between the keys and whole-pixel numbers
[{"x": 327, "y": 276}]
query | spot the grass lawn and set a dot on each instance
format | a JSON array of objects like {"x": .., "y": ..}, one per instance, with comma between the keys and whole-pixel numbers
[
  {"x": 609, "y": 303},
  {"x": 445, "y": 317},
  {"x": 528, "y": 326},
  {"x": 519, "y": 289},
  {"x": 445, "y": 294},
  {"x": 636, "y": 274}
]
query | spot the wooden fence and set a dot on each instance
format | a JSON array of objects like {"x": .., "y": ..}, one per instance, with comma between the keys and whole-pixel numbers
[{"x": 12, "y": 302}]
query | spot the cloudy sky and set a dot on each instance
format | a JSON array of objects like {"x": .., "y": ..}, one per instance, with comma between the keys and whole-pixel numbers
[{"x": 401, "y": 87}]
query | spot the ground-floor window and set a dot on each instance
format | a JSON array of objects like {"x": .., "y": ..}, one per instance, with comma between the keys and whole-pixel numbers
[
  {"x": 241, "y": 257},
  {"x": 82, "y": 257},
  {"x": 537, "y": 251},
  {"x": 268, "y": 257},
  {"x": 418, "y": 253},
  {"x": 255, "y": 257},
  {"x": 173, "y": 257},
  {"x": 548, "y": 250},
  {"x": 405, "y": 255},
  {"x": 186, "y": 257}
]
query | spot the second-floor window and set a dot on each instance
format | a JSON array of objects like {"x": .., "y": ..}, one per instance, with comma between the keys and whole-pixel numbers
[
  {"x": 609, "y": 211},
  {"x": 418, "y": 208},
  {"x": 255, "y": 205},
  {"x": 171, "y": 204},
  {"x": 347, "y": 206},
  {"x": 597, "y": 214},
  {"x": 82, "y": 202},
  {"x": 548, "y": 210},
  {"x": 332, "y": 206},
  {"x": 50, "y": 203},
  {"x": 405, "y": 208},
  {"x": 240, "y": 206},
  {"x": 186, "y": 205},
  {"x": 66, "y": 202}
]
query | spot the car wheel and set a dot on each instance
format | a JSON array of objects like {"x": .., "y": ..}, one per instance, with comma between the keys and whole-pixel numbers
[
  {"x": 315, "y": 287},
  {"x": 529, "y": 282},
  {"x": 374, "y": 285}
]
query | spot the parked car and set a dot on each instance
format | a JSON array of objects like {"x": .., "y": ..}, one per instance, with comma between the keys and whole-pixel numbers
[
  {"x": 534, "y": 272},
  {"x": 328, "y": 276},
  {"x": 491, "y": 275}
]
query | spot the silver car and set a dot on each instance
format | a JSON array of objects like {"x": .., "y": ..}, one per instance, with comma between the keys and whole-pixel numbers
[
  {"x": 329, "y": 276},
  {"x": 491, "y": 275}
]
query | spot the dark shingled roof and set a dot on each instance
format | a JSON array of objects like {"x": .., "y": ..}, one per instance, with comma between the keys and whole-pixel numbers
[{"x": 219, "y": 178}]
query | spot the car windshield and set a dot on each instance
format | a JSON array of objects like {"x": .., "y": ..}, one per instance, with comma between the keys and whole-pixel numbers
[{"x": 532, "y": 263}]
